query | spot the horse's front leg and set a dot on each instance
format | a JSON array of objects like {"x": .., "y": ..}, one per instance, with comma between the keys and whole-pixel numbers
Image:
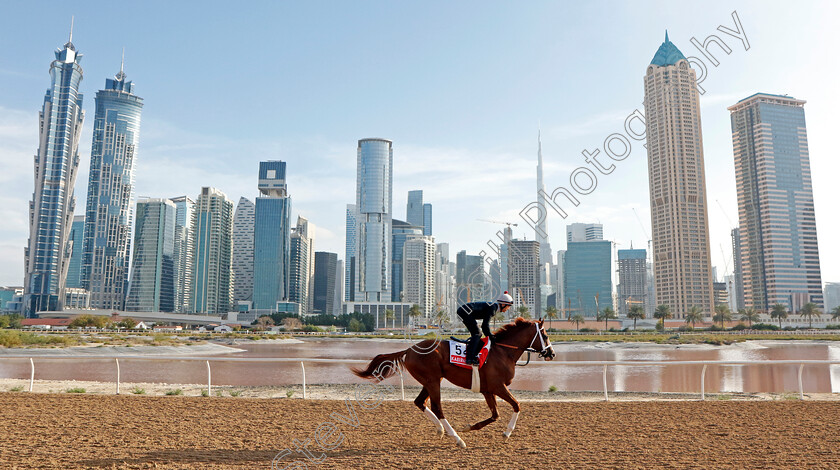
[
  {"x": 505, "y": 395},
  {"x": 491, "y": 403}
]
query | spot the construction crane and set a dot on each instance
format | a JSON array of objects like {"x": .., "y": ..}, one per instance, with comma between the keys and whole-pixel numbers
[{"x": 509, "y": 224}]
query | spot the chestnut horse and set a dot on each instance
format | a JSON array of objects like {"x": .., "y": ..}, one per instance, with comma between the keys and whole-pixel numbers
[{"x": 428, "y": 362}]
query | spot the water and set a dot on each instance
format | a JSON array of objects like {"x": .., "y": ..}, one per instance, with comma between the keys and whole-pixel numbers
[{"x": 682, "y": 378}]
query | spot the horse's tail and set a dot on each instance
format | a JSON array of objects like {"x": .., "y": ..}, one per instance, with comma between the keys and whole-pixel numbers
[{"x": 383, "y": 366}]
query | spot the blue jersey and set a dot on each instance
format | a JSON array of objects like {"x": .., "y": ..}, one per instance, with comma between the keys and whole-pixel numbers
[{"x": 482, "y": 311}]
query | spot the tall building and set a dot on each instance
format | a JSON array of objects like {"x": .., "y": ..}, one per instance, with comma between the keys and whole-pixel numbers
[
  {"x": 831, "y": 295},
  {"x": 243, "y": 250},
  {"x": 679, "y": 218},
  {"x": 737, "y": 287},
  {"x": 780, "y": 256},
  {"x": 338, "y": 300},
  {"x": 524, "y": 275},
  {"x": 632, "y": 280},
  {"x": 74, "y": 272},
  {"x": 212, "y": 280},
  {"x": 324, "y": 287},
  {"x": 272, "y": 237},
  {"x": 578, "y": 232},
  {"x": 445, "y": 279},
  {"x": 374, "y": 177},
  {"x": 152, "y": 285},
  {"x": 350, "y": 254},
  {"x": 47, "y": 256},
  {"x": 541, "y": 228},
  {"x": 184, "y": 254},
  {"x": 427, "y": 219},
  {"x": 588, "y": 277},
  {"x": 400, "y": 232},
  {"x": 302, "y": 265},
  {"x": 560, "y": 282},
  {"x": 419, "y": 273},
  {"x": 108, "y": 217},
  {"x": 469, "y": 278},
  {"x": 414, "y": 208}
]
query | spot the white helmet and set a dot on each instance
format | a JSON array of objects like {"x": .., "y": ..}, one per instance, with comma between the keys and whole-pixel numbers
[{"x": 505, "y": 299}]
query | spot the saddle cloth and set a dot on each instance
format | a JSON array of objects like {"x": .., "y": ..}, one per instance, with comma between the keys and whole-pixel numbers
[{"x": 458, "y": 353}]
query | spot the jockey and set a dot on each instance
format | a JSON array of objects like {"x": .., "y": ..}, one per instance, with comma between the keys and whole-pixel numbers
[{"x": 472, "y": 312}]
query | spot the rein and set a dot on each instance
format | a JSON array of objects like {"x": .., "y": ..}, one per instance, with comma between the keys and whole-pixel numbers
[{"x": 530, "y": 347}]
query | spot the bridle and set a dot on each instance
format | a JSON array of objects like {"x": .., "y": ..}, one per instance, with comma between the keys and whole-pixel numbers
[{"x": 530, "y": 348}]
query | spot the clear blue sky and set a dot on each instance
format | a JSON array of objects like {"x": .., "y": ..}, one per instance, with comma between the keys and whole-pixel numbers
[{"x": 460, "y": 87}]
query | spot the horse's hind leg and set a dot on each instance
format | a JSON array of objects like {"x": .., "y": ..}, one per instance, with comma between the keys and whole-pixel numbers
[
  {"x": 491, "y": 403},
  {"x": 434, "y": 396},
  {"x": 420, "y": 402},
  {"x": 505, "y": 395}
]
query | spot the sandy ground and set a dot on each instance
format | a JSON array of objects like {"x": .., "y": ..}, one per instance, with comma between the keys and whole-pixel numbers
[{"x": 46, "y": 431}]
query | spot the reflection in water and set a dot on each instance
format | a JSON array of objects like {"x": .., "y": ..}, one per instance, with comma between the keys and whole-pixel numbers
[{"x": 537, "y": 376}]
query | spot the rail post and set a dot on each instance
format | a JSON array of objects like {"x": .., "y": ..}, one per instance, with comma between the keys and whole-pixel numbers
[
  {"x": 402, "y": 385},
  {"x": 606, "y": 396},
  {"x": 208, "y": 378},
  {"x": 117, "y": 360},
  {"x": 303, "y": 371},
  {"x": 801, "y": 396},
  {"x": 703, "y": 383},
  {"x": 31, "y": 374}
]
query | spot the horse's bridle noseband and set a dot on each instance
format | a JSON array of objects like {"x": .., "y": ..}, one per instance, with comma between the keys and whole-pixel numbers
[{"x": 542, "y": 352}]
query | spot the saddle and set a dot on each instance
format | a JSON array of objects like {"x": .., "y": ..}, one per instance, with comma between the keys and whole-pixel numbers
[{"x": 458, "y": 352}]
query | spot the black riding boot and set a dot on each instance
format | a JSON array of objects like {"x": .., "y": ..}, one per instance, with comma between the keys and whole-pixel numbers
[{"x": 472, "y": 350}]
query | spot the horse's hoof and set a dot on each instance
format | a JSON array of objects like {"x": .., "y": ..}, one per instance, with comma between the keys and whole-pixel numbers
[
  {"x": 440, "y": 433},
  {"x": 466, "y": 428},
  {"x": 461, "y": 444},
  {"x": 506, "y": 434}
]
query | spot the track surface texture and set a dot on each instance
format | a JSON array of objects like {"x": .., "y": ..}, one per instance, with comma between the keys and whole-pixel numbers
[{"x": 43, "y": 431}]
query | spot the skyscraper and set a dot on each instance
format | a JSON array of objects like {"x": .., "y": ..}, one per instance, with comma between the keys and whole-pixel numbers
[
  {"x": 632, "y": 280},
  {"x": 400, "y": 232},
  {"x": 324, "y": 287},
  {"x": 831, "y": 294},
  {"x": 212, "y": 283},
  {"x": 541, "y": 228},
  {"x": 676, "y": 171},
  {"x": 302, "y": 259},
  {"x": 272, "y": 237},
  {"x": 469, "y": 278},
  {"x": 419, "y": 273},
  {"x": 588, "y": 277},
  {"x": 108, "y": 218},
  {"x": 152, "y": 284},
  {"x": 780, "y": 256},
  {"x": 374, "y": 177},
  {"x": 74, "y": 273},
  {"x": 183, "y": 254},
  {"x": 737, "y": 286},
  {"x": 524, "y": 275},
  {"x": 47, "y": 256},
  {"x": 578, "y": 232},
  {"x": 427, "y": 219},
  {"x": 414, "y": 208},
  {"x": 350, "y": 254},
  {"x": 243, "y": 250}
]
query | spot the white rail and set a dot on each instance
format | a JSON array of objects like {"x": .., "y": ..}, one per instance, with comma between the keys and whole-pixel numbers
[{"x": 604, "y": 364}]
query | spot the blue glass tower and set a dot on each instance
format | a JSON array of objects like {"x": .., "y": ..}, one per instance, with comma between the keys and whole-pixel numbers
[
  {"x": 47, "y": 256},
  {"x": 272, "y": 237},
  {"x": 374, "y": 196},
  {"x": 587, "y": 271},
  {"x": 108, "y": 217},
  {"x": 74, "y": 272}
]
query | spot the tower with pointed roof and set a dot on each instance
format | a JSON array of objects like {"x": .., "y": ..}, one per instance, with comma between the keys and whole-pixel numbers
[
  {"x": 679, "y": 218},
  {"x": 48, "y": 253},
  {"x": 110, "y": 198}
]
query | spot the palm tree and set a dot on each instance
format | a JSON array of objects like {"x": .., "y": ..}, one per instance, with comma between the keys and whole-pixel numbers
[
  {"x": 524, "y": 312},
  {"x": 693, "y": 315},
  {"x": 637, "y": 312},
  {"x": 607, "y": 314},
  {"x": 722, "y": 314},
  {"x": 835, "y": 313},
  {"x": 389, "y": 315},
  {"x": 414, "y": 312},
  {"x": 750, "y": 315},
  {"x": 440, "y": 317},
  {"x": 809, "y": 311},
  {"x": 779, "y": 312},
  {"x": 499, "y": 316},
  {"x": 552, "y": 314},
  {"x": 662, "y": 313},
  {"x": 577, "y": 319}
]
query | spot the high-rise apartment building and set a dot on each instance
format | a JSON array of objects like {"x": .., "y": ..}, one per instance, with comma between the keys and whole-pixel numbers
[
  {"x": 831, "y": 294},
  {"x": 184, "y": 252},
  {"x": 578, "y": 232},
  {"x": 414, "y": 208},
  {"x": 588, "y": 277},
  {"x": 737, "y": 282},
  {"x": 524, "y": 275},
  {"x": 74, "y": 272},
  {"x": 427, "y": 219},
  {"x": 212, "y": 280},
  {"x": 108, "y": 217},
  {"x": 324, "y": 285},
  {"x": 272, "y": 237},
  {"x": 374, "y": 177},
  {"x": 444, "y": 279},
  {"x": 679, "y": 218},
  {"x": 419, "y": 273},
  {"x": 632, "y": 281},
  {"x": 243, "y": 250},
  {"x": 469, "y": 278},
  {"x": 780, "y": 257},
  {"x": 152, "y": 283},
  {"x": 400, "y": 232},
  {"x": 301, "y": 270},
  {"x": 47, "y": 256},
  {"x": 350, "y": 254}
]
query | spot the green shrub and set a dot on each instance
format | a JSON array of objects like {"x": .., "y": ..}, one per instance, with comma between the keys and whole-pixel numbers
[
  {"x": 289, "y": 393},
  {"x": 76, "y": 390},
  {"x": 552, "y": 388},
  {"x": 138, "y": 391},
  {"x": 588, "y": 330},
  {"x": 19, "y": 388},
  {"x": 766, "y": 326},
  {"x": 828, "y": 327},
  {"x": 235, "y": 393},
  {"x": 716, "y": 328},
  {"x": 739, "y": 327},
  {"x": 685, "y": 328},
  {"x": 205, "y": 393},
  {"x": 176, "y": 391},
  {"x": 219, "y": 393}
]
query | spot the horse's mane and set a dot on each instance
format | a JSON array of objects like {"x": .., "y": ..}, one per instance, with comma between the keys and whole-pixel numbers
[{"x": 509, "y": 328}]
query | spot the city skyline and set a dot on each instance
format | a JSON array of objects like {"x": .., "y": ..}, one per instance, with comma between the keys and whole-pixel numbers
[{"x": 418, "y": 164}]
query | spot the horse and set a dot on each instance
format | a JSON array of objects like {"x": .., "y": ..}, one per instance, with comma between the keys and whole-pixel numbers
[{"x": 428, "y": 362}]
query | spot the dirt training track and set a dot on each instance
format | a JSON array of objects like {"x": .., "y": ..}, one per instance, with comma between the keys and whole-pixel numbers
[{"x": 87, "y": 431}]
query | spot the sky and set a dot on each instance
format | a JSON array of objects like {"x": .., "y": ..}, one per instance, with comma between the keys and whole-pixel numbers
[{"x": 461, "y": 88}]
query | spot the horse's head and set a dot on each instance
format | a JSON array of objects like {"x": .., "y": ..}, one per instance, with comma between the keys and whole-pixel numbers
[{"x": 527, "y": 334}]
